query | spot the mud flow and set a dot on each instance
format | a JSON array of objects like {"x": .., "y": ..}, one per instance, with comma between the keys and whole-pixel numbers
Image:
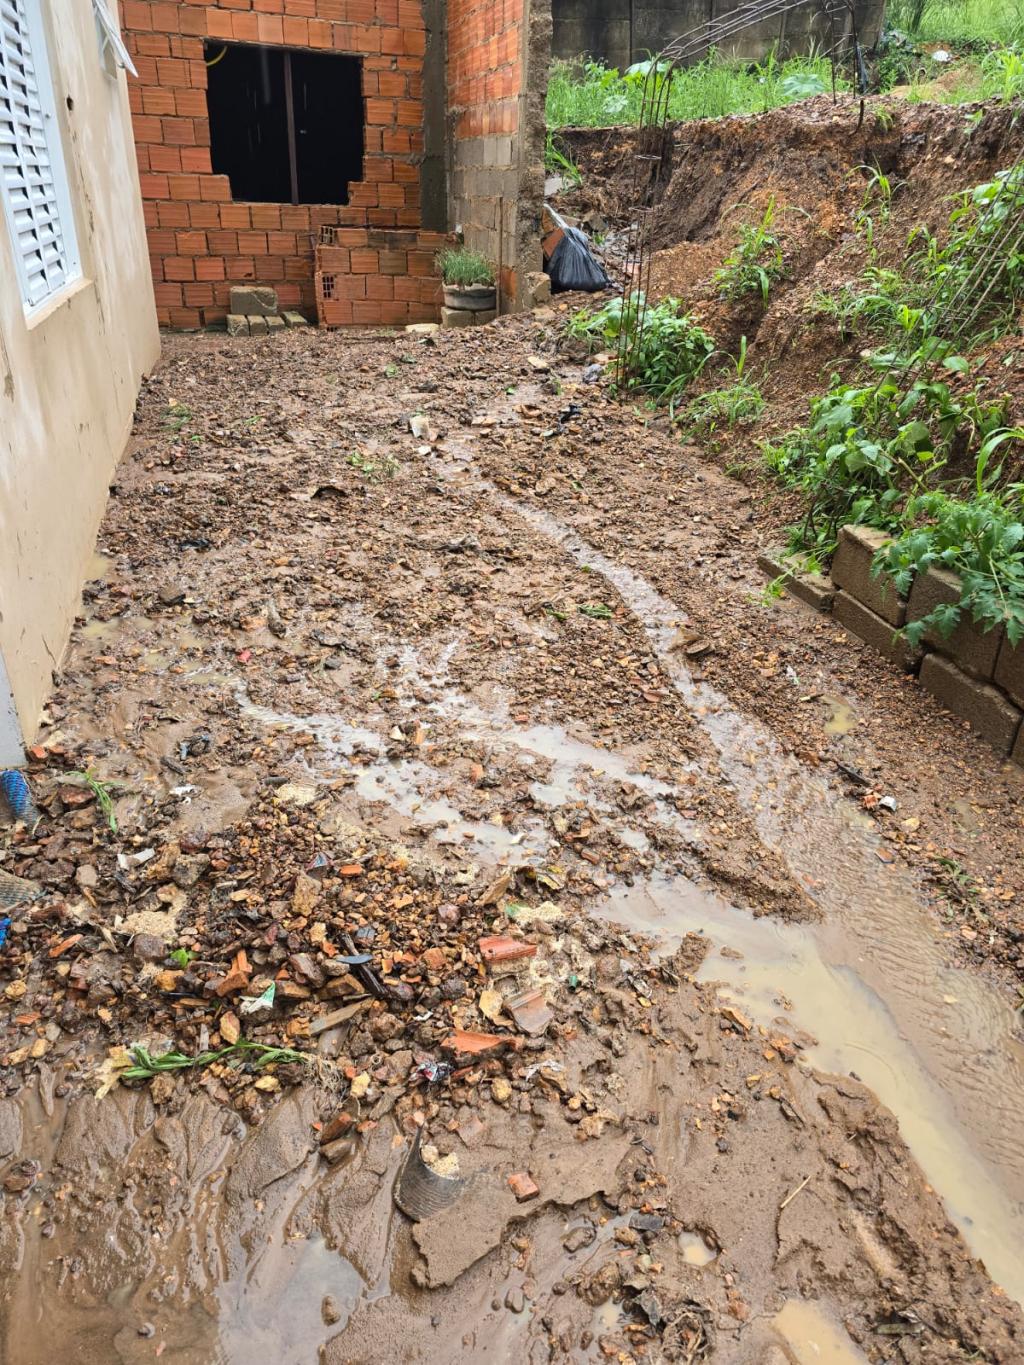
[{"x": 449, "y": 929}]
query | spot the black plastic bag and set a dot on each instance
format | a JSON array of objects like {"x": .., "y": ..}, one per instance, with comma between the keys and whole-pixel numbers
[{"x": 572, "y": 265}]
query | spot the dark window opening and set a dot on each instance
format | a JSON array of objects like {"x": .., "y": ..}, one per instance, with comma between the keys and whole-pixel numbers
[{"x": 286, "y": 126}]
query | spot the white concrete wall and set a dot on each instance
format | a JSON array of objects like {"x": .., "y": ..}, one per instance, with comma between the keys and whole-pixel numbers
[{"x": 69, "y": 374}]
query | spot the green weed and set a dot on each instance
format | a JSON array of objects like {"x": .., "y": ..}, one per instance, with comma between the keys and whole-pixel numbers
[
  {"x": 558, "y": 160},
  {"x": 102, "y": 792},
  {"x": 458, "y": 265},
  {"x": 590, "y": 95},
  {"x": 757, "y": 261},
  {"x": 671, "y": 350},
  {"x": 242, "y": 1053}
]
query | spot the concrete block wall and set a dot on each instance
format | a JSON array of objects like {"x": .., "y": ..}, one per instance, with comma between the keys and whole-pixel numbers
[
  {"x": 498, "y": 56},
  {"x": 200, "y": 240},
  {"x": 978, "y": 675},
  {"x": 619, "y": 32}
]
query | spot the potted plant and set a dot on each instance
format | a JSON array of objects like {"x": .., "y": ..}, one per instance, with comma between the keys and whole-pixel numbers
[{"x": 469, "y": 282}]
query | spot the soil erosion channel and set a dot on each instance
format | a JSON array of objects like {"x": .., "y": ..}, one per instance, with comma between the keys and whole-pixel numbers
[{"x": 936, "y": 1044}]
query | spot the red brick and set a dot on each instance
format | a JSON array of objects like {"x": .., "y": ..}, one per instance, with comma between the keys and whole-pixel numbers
[
  {"x": 281, "y": 243},
  {"x": 194, "y": 20},
  {"x": 204, "y": 215},
  {"x": 380, "y": 287},
  {"x": 154, "y": 186},
  {"x": 366, "y": 311},
  {"x": 167, "y": 295},
  {"x": 136, "y": 15},
  {"x": 210, "y": 268},
  {"x": 199, "y": 295},
  {"x": 246, "y": 28},
  {"x": 188, "y": 103},
  {"x": 191, "y": 244},
  {"x": 270, "y": 28},
  {"x": 214, "y": 187},
  {"x": 179, "y": 268},
  {"x": 196, "y": 159},
  {"x": 296, "y": 32},
  {"x": 252, "y": 243},
  {"x": 235, "y": 216},
  {"x": 164, "y": 158},
  {"x": 223, "y": 243},
  {"x": 179, "y": 132},
  {"x": 154, "y": 101},
  {"x": 294, "y": 216},
  {"x": 219, "y": 24},
  {"x": 185, "y": 317},
  {"x": 171, "y": 71},
  {"x": 172, "y": 215},
  {"x": 240, "y": 268},
  {"x": 183, "y": 186},
  {"x": 266, "y": 215}
]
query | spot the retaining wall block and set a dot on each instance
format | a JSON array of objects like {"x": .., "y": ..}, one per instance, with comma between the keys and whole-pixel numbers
[
  {"x": 876, "y": 632},
  {"x": 1009, "y": 674},
  {"x": 813, "y": 588},
  {"x": 974, "y": 651},
  {"x": 851, "y": 571},
  {"x": 253, "y": 300},
  {"x": 991, "y": 714}
]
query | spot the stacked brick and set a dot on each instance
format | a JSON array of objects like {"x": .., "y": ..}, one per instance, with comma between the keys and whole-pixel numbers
[
  {"x": 201, "y": 242},
  {"x": 374, "y": 275}
]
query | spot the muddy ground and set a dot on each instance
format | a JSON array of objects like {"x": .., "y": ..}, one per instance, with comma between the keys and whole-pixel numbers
[{"x": 435, "y": 688}]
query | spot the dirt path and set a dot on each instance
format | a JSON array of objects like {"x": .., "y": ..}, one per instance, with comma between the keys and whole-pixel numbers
[{"x": 374, "y": 690}]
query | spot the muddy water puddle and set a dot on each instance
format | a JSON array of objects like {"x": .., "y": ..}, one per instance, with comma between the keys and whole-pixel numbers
[
  {"x": 812, "y": 1338},
  {"x": 871, "y": 980}
]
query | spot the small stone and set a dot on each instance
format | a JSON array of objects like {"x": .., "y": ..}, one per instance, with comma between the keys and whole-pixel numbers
[
  {"x": 148, "y": 948},
  {"x": 501, "y": 1091},
  {"x": 515, "y": 1299},
  {"x": 329, "y": 1310},
  {"x": 580, "y": 1237},
  {"x": 434, "y": 959},
  {"x": 523, "y": 1186}
]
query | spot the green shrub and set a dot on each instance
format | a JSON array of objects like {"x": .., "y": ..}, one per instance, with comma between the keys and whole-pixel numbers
[
  {"x": 671, "y": 350},
  {"x": 461, "y": 267},
  {"x": 757, "y": 261}
]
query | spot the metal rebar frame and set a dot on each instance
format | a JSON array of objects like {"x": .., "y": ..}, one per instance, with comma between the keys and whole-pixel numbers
[{"x": 654, "y": 134}]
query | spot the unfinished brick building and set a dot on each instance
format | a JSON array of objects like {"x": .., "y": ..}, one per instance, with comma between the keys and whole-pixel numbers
[{"x": 258, "y": 123}]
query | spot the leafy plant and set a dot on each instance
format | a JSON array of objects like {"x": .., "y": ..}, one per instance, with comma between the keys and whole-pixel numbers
[
  {"x": 558, "y": 160},
  {"x": 461, "y": 267},
  {"x": 597, "y": 610},
  {"x": 181, "y": 957},
  {"x": 667, "y": 348},
  {"x": 102, "y": 792},
  {"x": 867, "y": 450},
  {"x": 757, "y": 261},
  {"x": 733, "y": 405},
  {"x": 980, "y": 538},
  {"x": 242, "y": 1053}
]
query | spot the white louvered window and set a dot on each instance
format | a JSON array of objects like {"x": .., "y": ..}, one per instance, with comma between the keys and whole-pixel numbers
[{"x": 33, "y": 182}]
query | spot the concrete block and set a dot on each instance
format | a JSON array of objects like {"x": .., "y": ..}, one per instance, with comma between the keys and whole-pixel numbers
[
  {"x": 975, "y": 652},
  {"x": 851, "y": 571},
  {"x": 295, "y": 320},
  {"x": 275, "y": 324},
  {"x": 423, "y": 329},
  {"x": 238, "y": 326},
  {"x": 994, "y": 717},
  {"x": 1009, "y": 674},
  {"x": 876, "y": 632},
  {"x": 257, "y": 325},
  {"x": 1017, "y": 752},
  {"x": 253, "y": 299},
  {"x": 813, "y": 588},
  {"x": 462, "y": 317}
]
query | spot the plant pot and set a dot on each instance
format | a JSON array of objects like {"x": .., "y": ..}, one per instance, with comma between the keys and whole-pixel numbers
[{"x": 470, "y": 298}]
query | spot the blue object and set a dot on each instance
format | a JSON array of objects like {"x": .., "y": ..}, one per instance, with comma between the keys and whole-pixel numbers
[
  {"x": 17, "y": 793},
  {"x": 5, "y": 925}
]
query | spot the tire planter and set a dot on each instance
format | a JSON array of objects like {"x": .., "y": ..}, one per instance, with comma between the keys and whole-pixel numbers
[{"x": 473, "y": 298}]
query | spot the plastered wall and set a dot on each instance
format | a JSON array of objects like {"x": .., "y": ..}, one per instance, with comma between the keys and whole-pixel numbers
[{"x": 70, "y": 376}]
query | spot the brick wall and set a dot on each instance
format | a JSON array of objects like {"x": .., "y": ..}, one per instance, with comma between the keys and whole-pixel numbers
[
  {"x": 201, "y": 241},
  {"x": 498, "y": 54}
]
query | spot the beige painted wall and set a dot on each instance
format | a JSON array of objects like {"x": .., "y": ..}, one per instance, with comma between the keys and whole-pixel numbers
[{"x": 69, "y": 376}]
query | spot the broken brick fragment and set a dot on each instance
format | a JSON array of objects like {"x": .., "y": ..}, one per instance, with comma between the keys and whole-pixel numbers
[
  {"x": 498, "y": 948},
  {"x": 523, "y": 1186}
]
